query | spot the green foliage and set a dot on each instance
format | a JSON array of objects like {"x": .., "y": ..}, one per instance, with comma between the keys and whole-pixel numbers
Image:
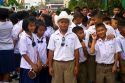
[
  {"x": 72, "y": 4},
  {"x": 12, "y": 2},
  {"x": 101, "y": 4}
]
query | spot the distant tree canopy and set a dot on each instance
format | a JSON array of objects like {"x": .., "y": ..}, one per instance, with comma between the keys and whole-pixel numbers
[
  {"x": 102, "y": 4},
  {"x": 11, "y": 2}
]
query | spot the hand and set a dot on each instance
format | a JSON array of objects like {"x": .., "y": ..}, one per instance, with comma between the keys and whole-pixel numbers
[
  {"x": 83, "y": 44},
  {"x": 110, "y": 37},
  {"x": 51, "y": 71},
  {"x": 39, "y": 64},
  {"x": 76, "y": 70},
  {"x": 34, "y": 67},
  {"x": 94, "y": 36},
  {"x": 114, "y": 68}
]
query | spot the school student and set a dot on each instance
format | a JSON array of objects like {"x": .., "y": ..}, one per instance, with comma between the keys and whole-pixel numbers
[
  {"x": 77, "y": 21},
  {"x": 114, "y": 24},
  {"x": 41, "y": 42},
  {"x": 82, "y": 75},
  {"x": 121, "y": 42},
  {"x": 6, "y": 47},
  {"x": 106, "y": 52},
  {"x": 63, "y": 51},
  {"x": 30, "y": 62}
]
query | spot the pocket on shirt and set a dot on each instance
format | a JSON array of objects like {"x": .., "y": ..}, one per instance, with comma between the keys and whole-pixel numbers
[
  {"x": 70, "y": 43},
  {"x": 112, "y": 48}
]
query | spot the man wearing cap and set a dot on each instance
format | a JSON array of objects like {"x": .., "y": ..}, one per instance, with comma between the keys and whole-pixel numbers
[{"x": 63, "y": 51}]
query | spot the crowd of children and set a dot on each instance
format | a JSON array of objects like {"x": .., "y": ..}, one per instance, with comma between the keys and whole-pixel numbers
[{"x": 84, "y": 47}]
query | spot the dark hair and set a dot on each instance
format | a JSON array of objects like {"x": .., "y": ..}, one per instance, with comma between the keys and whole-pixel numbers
[
  {"x": 100, "y": 25},
  {"x": 106, "y": 19},
  {"x": 76, "y": 29},
  {"x": 4, "y": 13},
  {"x": 13, "y": 18},
  {"x": 22, "y": 15},
  {"x": 116, "y": 18},
  {"x": 77, "y": 15},
  {"x": 67, "y": 10},
  {"x": 38, "y": 24},
  {"x": 26, "y": 23},
  {"x": 121, "y": 24}
]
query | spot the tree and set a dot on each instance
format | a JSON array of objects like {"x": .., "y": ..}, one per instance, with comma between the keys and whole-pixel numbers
[
  {"x": 11, "y": 2},
  {"x": 72, "y": 4}
]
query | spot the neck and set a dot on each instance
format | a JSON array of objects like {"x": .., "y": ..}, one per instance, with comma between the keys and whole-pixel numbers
[
  {"x": 39, "y": 36},
  {"x": 63, "y": 32},
  {"x": 29, "y": 33},
  {"x": 103, "y": 38}
]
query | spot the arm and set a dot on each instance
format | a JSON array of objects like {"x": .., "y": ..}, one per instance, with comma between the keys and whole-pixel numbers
[
  {"x": 84, "y": 49},
  {"x": 76, "y": 54},
  {"x": 34, "y": 66},
  {"x": 50, "y": 58},
  {"x": 92, "y": 49}
]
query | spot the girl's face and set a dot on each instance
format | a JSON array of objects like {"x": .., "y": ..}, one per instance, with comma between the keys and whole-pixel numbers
[
  {"x": 41, "y": 31},
  {"x": 63, "y": 24},
  {"x": 31, "y": 27},
  {"x": 101, "y": 32}
]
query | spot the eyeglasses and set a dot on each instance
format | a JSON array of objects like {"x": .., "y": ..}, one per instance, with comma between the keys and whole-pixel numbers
[{"x": 63, "y": 41}]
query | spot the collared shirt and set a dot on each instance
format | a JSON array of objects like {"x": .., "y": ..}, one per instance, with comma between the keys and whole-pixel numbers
[
  {"x": 92, "y": 29},
  {"x": 74, "y": 25},
  {"x": 15, "y": 34},
  {"x": 41, "y": 47},
  {"x": 82, "y": 57},
  {"x": 6, "y": 42},
  {"x": 117, "y": 33},
  {"x": 66, "y": 52},
  {"x": 26, "y": 47},
  {"x": 105, "y": 51},
  {"x": 121, "y": 42},
  {"x": 49, "y": 31}
]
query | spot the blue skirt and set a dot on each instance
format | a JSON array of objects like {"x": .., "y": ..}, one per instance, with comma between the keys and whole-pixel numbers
[
  {"x": 24, "y": 78},
  {"x": 6, "y": 61},
  {"x": 17, "y": 59}
]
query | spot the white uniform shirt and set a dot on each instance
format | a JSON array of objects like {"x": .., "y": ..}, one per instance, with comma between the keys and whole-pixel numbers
[
  {"x": 25, "y": 47},
  {"x": 6, "y": 42},
  {"x": 121, "y": 42},
  {"x": 105, "y": 51},
  {"x": 15, "y": 34},
  {"x": 42, "y": 48},
  {"x": 74, "y": 25},
  {"x": 49, "y": 31},
  {"x": 66, "y": 52},
  {"x": 117, "y": 33},
  {"x": 92, "y": 29},
  {"x": 82, "y": 57}
]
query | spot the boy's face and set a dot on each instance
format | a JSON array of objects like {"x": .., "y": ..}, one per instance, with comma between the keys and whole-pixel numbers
[
  {"x": 85, "y": 11},
  {"x": 80, "y": 34},
  {"x": 78, "y": 20},
  {"x": 114, "y": 23},
  {"x": 101, "y": 32},
  {"x": 63, "y": 24},
  {"x": 116, "y": 11},
  {"x": 122, "y": 31},
  {"x": 41, "y": 30},
  {"x": 31, "y": 26}
]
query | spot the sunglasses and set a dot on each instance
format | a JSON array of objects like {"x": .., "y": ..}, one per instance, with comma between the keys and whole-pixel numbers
[{"x": 63, "y": 41}]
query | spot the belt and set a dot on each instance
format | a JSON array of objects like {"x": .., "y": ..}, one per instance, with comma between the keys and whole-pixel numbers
[
  {"x": 102, "y": 64},
  {"x": 64, "y": 61}
]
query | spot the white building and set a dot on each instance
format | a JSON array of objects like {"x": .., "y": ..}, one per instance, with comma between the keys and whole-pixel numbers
[{"x": 30, "y": 3}]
